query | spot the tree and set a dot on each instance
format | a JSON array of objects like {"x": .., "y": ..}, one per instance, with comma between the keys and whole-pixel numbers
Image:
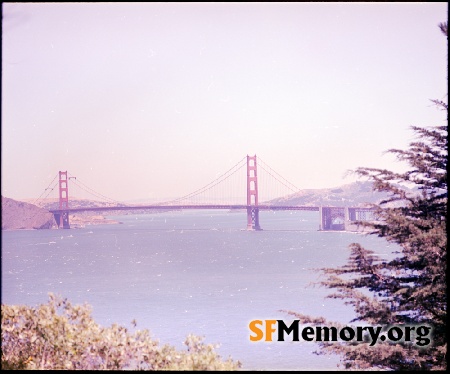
[{"x": 411, "y": 288}]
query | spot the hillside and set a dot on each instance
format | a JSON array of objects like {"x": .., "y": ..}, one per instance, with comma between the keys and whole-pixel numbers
[
  {"x": 357, "y": 194},
  {"x": 20, "y": 215}
]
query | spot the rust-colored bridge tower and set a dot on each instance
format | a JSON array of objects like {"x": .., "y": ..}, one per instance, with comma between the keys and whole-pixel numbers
[
  {"x": 252, "y": 194},
  {"x": 62, "y": 219}
]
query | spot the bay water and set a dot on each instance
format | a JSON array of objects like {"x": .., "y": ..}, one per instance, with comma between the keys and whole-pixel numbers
[{"x": 184, "y": 272}]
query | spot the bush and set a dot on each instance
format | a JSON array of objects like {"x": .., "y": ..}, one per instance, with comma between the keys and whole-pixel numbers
[{"x": 59, "y": 335}]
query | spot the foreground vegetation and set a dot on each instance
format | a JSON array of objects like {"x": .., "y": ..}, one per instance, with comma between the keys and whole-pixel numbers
[{"x": 59, "y": 335}]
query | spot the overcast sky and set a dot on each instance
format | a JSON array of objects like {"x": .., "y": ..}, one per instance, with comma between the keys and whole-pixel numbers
[{"x": 148, "y": 100}]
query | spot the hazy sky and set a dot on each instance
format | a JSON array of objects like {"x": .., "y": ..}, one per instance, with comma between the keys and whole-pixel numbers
[{"x": 146, "y": 100}]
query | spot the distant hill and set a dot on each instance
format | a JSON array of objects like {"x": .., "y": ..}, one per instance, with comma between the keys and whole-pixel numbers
[
  {"x": 17, "y": 215},
  {"x": 51, "y": 203},
  {"x": 74, "y": 202},
  {"x": 357, "y": 194},
  {"x": 20, "y": 215}
]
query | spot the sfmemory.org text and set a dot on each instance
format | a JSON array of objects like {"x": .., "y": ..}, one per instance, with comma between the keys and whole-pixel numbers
[{"x": 265, "y": 330}]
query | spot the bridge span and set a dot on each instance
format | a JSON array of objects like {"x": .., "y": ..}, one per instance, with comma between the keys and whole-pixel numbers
[
  {"x": 331, "y": 218},
  {"x": 181, "y": 207},
  {"x": 335, "y": 218}
]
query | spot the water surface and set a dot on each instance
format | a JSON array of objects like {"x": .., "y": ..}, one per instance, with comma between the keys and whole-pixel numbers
[{"x": 187, "y": 272}]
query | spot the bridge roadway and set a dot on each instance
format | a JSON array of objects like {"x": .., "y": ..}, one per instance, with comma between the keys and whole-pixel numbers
[
  {"x": 178, "y": 207},
  {"x": 326, "y": 220}
]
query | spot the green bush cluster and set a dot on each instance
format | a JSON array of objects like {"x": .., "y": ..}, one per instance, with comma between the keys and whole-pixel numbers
[{"x": 59, "y": 335}]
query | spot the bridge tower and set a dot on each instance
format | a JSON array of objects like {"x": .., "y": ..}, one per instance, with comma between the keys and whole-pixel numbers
[
  {"x": 252, "y": 194},
  {"x": 63, "y": 219}
]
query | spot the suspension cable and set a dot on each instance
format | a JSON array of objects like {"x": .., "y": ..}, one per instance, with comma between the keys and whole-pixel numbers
[
  {"x": 292, "y": 186},
  {"x": 87, "y": 189},
  {"x": 48, "y": 188},
  {"x": 233, "y": 170},
  {"x": 210, "y": 185}
]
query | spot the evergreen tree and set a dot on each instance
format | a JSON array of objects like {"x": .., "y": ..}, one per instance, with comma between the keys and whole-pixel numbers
[{"x": 411, "y": 288}]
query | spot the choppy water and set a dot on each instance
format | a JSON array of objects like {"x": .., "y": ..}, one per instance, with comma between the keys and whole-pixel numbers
[{"x": 187, "y": 272}]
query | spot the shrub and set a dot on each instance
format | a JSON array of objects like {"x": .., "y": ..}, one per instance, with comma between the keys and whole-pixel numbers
[{"x": 59, "y": 335}]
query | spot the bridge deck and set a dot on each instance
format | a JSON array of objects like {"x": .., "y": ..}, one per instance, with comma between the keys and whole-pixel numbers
[{"x": 178, "y": 207}]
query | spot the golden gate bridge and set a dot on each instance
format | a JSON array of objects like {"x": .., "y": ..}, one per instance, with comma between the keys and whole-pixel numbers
[{"x": 256, "y": 198}]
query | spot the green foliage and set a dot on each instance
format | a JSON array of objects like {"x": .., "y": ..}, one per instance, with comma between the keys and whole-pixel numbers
[
  {"x": 410, "y": 289},
  {"x": 59, "y": 335}
]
